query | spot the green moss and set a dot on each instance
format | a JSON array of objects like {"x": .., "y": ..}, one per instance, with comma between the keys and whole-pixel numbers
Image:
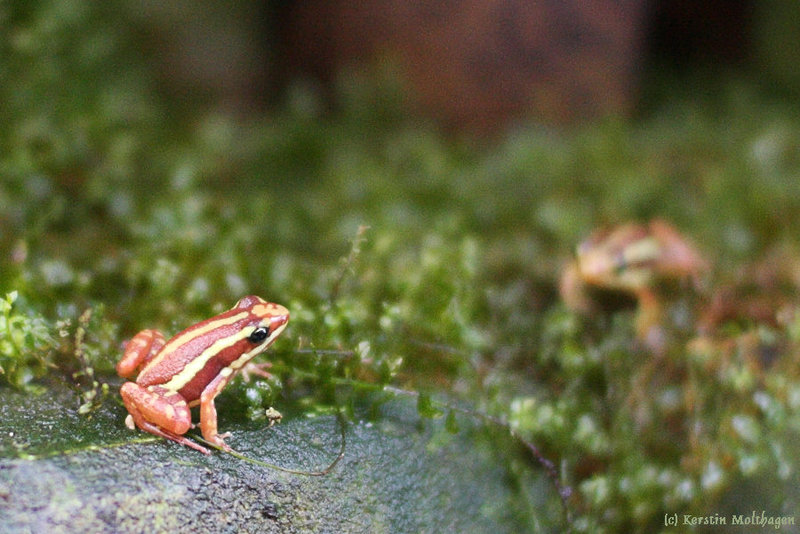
[
  {"x": 25, "y": 339},
  {"x": 405, "y": 257}
]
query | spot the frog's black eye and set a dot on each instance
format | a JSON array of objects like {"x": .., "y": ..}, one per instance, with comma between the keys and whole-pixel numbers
[{"x": 259, "y": 334}]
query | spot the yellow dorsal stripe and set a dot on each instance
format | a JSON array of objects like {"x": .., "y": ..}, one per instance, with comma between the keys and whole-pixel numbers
[
  {"x": 186, "y": 337},
  {"x": 193, "y": 367}
]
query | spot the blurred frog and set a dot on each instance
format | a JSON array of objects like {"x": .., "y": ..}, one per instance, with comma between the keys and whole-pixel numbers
[{"x": 636, "y": 262}]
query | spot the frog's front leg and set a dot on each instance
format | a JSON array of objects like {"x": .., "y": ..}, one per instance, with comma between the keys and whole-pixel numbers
[
  {"x": 160, "y": 411},
  {"x": 208, "y": 412},
  {"x": 259, "y": 369}
]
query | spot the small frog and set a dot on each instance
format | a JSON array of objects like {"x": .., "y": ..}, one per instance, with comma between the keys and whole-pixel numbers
[
  {"x": 193, "y": 367},
  {"x": 631, "y": 259}
]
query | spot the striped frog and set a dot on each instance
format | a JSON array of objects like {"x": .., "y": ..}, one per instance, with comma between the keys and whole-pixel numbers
[{"x": 193, "y": 367}]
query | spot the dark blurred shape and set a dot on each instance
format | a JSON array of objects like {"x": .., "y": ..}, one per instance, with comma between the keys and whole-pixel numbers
[
  {"x": 776, "y": 44},
  {"x": 479, "y": 64},
  {"x": 475, "y": 65},
  {"x": 682, "y": 32}
]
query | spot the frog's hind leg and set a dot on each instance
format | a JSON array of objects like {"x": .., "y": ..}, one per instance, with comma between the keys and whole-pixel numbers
[
  {"x": 159, "y": 411},
  {"x": 142, "y": 348}
]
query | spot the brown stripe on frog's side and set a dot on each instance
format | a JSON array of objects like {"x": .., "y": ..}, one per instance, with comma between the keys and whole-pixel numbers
[
  {"x": 181, "y": 353},
  {"x": 215, "y": 365}
]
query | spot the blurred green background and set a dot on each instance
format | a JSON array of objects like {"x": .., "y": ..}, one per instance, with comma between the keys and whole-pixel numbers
[{"x": 157, "y": 163}]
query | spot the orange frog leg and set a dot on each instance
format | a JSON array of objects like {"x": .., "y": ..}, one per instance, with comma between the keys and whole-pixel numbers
[
  {"x": 258, "y": 369},
  {"x": 208, "y": 412},
  {"x": 139, "y": 351},
  {"x": 159, "y": 411}
]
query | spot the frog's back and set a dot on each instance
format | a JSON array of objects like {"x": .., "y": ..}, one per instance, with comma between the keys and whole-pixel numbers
[{"x": 199, "y": 351}]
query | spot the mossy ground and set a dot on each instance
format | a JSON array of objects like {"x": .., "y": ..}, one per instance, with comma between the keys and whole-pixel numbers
[{"x": 406, "y": 257}]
